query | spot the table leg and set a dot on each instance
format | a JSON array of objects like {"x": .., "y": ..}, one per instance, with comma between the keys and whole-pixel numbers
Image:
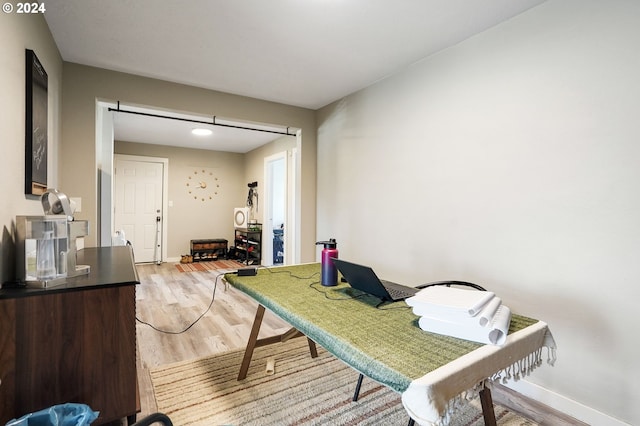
[
  {"x": 487, "y": 407},
  {"x": 251, "y": 344},
  {"x": 356, "y": 394},
  {"x": 312, "y": 348},
  {"x": 254, "y": 342}
]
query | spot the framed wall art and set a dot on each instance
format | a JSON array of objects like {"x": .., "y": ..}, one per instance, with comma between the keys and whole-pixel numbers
[{"x": 35, "y": 182}]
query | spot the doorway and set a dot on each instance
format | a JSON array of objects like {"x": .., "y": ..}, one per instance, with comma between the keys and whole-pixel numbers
[
  {"x": 139, "y": 191},
  {"x": 107, "y": 126},
  {"x": 275, "y": 223}
]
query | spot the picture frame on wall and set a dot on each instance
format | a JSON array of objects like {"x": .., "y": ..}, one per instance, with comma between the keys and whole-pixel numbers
[{"x": 35, "y": 126}]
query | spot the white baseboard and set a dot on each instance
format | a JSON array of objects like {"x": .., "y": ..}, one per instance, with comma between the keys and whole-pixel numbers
[{"x": 563, "y": 404}]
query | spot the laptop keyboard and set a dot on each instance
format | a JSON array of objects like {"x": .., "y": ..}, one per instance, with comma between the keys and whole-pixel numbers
[{"x": 397, "y": 293}]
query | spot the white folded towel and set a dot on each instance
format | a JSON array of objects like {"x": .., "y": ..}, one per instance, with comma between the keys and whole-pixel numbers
[
  {"x": 450, "y": 299},
  {"x": 495, "y": 333},
  {"x": 473, "y": 315}
]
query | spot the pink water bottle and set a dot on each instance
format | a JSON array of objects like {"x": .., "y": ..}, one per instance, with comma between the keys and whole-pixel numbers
[{"x": 329, "y": 276}]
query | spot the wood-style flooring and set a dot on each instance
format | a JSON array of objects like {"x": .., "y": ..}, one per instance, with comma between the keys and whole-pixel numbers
[{"x": 171, "y": 301}]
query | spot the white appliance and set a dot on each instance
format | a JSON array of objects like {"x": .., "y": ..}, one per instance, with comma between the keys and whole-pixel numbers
[
  {"x": 241, "y": 217},
  {"x": 46, "y": 245}
]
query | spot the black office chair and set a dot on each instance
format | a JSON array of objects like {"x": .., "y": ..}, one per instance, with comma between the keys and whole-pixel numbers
[
  {"x": 450, "y": 283},
  {"x": 163, "y": 419},
  {"x": 356, "y": 394}
]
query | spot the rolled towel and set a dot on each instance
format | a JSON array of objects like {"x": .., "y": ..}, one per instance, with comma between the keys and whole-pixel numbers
[
  {"x": 499, "y": 325},
  {"x": 489, "y": 310}
]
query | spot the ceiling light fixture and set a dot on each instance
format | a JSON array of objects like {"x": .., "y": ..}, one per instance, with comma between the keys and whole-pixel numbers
[{"x": 201, "y": 132}]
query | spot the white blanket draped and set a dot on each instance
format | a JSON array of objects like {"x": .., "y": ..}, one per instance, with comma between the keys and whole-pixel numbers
[{"x": 432, "y": 399}]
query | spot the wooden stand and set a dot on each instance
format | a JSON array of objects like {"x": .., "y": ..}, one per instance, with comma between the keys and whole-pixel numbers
[{"x": 254, "y": 342}]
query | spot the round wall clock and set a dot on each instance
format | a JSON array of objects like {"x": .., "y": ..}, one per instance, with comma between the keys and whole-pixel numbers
[{"x": 202, "y": 185}]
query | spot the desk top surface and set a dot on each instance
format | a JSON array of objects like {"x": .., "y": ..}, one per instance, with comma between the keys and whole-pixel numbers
[
  {"x": 384, "y": 342},
  {"x": 110, "y": 266}
]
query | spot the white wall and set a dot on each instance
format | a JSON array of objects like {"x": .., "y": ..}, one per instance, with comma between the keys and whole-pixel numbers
[
  {"x": 278, "y": 188},
  {"x": 511, "y": 160}
]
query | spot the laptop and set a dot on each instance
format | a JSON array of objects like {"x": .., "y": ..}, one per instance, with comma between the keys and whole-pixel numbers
[{"x": 363, "y": 278}]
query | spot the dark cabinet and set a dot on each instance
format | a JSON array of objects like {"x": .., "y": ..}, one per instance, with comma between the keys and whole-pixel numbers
[{"x": 76, "y": 343}]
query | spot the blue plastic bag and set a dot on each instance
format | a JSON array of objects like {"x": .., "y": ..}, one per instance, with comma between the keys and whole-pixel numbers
[{"x": 58, "y": 415}]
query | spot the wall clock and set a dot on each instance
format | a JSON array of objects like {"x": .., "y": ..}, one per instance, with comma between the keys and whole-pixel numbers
[{"x": 203, "y": 185}]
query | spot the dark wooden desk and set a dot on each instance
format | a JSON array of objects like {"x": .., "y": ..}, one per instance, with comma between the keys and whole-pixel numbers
[{"x": 72, "y": 343}]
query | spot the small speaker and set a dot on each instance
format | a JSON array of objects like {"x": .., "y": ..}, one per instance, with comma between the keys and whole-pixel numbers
[{"x": 241, "y": 217}]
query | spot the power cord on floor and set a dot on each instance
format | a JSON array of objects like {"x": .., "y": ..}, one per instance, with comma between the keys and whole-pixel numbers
[{"x": 213, "y": 297}]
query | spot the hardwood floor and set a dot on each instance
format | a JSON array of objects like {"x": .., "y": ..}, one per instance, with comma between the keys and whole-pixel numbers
[{"x": 172, "y": 301}]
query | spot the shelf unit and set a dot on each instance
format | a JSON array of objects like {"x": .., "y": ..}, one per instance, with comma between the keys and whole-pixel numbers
[
  {"x": 207, "y": 249},
  {"x": 248, "y": 244}
]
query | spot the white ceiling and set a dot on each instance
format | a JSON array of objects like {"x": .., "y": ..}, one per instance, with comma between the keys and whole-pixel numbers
[{"x": 305, "y": 53}]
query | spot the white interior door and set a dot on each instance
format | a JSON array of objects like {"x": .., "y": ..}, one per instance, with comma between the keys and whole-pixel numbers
[{"x": 138, "y": 205}]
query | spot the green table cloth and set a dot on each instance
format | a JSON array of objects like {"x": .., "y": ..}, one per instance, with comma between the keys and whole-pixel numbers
[{"x": 385, "y": 343}]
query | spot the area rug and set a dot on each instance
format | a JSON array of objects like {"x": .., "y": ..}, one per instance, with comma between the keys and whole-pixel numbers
[
  {"x": 301, "y": 391},
  {"x": 208, "y": 266}
]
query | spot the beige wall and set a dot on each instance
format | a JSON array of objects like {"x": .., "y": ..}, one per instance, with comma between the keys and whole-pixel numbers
[
  {"x": 254, "y": 160},
  {"x": 254, "y": 165},
  {"x": 17, "y": 33},
  {"x": 84, "y": 85},
  {"x": 188, "y": 217},
  {"x": 510, "y": 160}
]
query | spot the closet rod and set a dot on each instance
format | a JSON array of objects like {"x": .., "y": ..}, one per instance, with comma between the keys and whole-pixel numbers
[{"x": 210, "y": 123}]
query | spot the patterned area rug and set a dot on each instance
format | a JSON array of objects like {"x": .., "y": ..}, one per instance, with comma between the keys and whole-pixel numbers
[
  {"x": 302, "y": 391},
  {"x": 208, "y": 266}
]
